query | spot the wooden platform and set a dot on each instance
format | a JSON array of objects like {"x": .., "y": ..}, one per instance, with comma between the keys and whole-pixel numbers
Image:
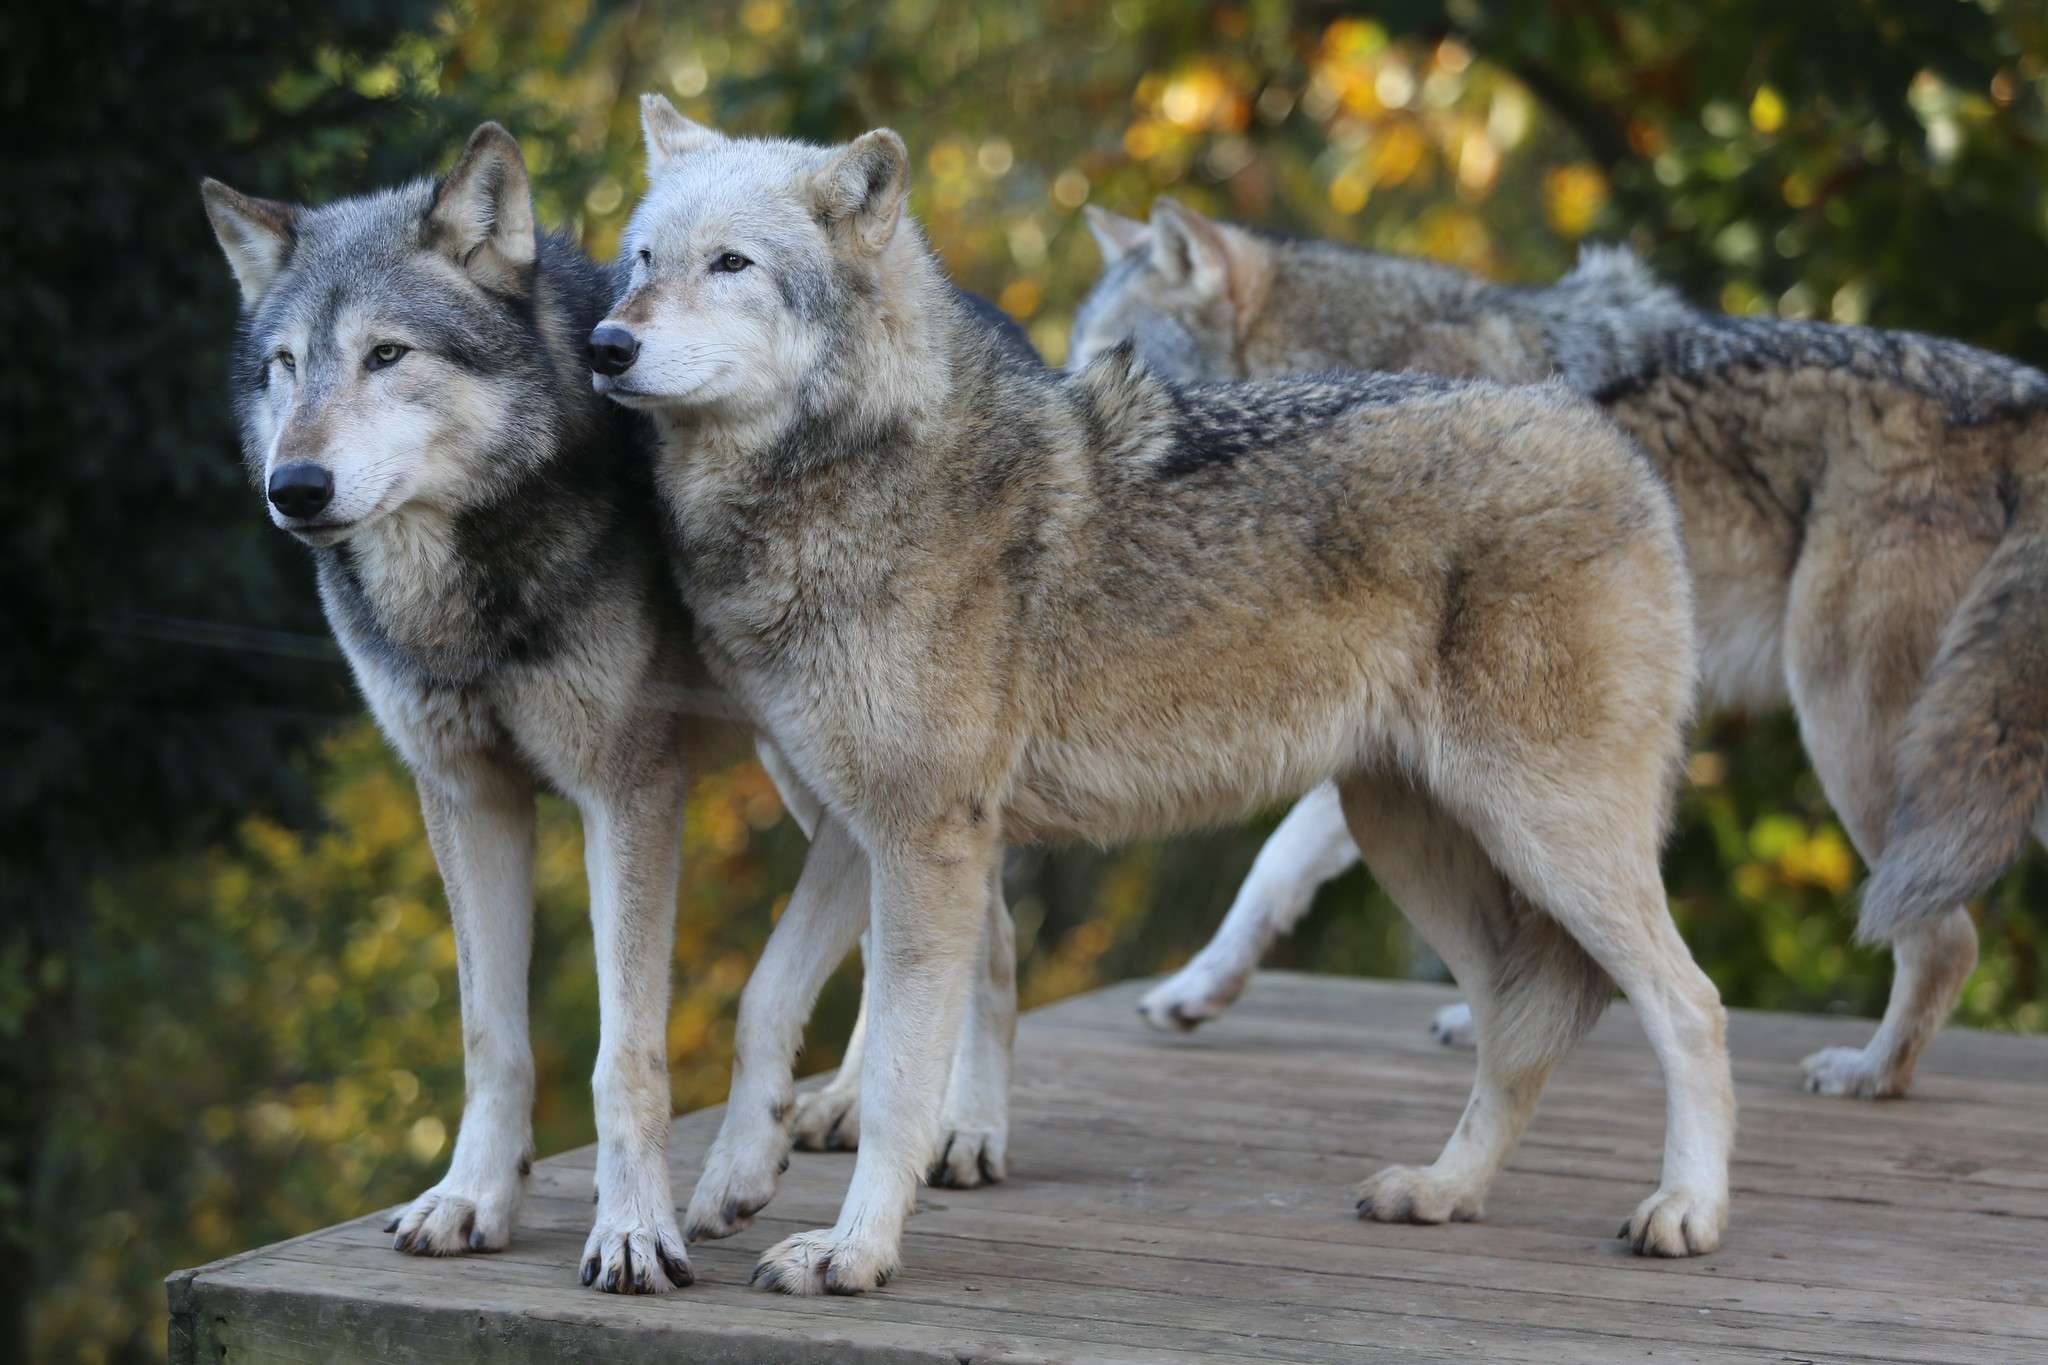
[{"x": 1186, "y": 1199}]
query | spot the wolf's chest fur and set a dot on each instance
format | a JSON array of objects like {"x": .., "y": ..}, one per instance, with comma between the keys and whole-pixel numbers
[{"x": 466, "y": 640}]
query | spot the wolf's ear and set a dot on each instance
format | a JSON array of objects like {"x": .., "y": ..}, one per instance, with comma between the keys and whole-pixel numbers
[
  {"x": 482, "y": 214},
  {"x": 863, "y": 186},
  {"x": 1115, "y": 234},
  {"x": 1188, "y": 248},
  {"x": 668, "y": 134},
  {"x": 256, "y": 234}
]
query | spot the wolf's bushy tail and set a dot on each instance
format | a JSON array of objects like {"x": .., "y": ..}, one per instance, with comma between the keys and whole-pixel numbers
[{"x": 1973, "y": 761}]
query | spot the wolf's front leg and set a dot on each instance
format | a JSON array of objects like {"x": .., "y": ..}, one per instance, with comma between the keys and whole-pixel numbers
[
  {"x": 480, "y": 824},
  {"x": 974, "y": 1137},
  {"x": 828, "y": 1119},
  {"x": 811, "y": 939},
  {"x": 930, "y": 897},
  {"x": 632, "y": 849}
]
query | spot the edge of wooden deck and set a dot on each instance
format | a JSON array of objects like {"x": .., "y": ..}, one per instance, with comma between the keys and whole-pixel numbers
[{"x": 338, "y": 1293}]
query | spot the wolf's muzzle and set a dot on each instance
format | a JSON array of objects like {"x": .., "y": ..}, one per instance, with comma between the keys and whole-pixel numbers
[
  {"x": 301, "y": 490},
  {"x": 613, "y": 349}
]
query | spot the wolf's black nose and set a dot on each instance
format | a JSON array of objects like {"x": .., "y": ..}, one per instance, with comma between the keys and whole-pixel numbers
[
  {"x": 613, "y": 349},
  {"x": 301, "y": 490}
]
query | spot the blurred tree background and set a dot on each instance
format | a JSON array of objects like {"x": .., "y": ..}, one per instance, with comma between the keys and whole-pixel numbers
[{"x": 226, "y": 977}]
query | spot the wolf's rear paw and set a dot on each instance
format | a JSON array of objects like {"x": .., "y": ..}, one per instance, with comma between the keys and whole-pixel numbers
[
  {"x": 636, "y": 1254},
  {"x": 827, "y": 1120},
  {"x": 1850, "y": 1071},
  {"x": 1414, "y": 1194},
  {"x": 969, "y": 1159},
  {"x": 1676, "y": 1223},
  {"x": 450, "y": 1220},
  {"x": 1452, "y": 1026},
  {"x": 1195, "y": 993},
  {"x": 821, "y": 1263},
  {"x": 738, "y": 1181}
]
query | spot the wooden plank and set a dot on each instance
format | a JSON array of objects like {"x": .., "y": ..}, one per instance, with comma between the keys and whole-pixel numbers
[{"x": 1182, "y": 1199}]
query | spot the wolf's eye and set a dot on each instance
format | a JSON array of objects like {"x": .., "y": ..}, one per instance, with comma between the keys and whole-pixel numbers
[
  {"x": 646, "y": 257},
  {"x": 384, "y": 356},
  {"x": 288, "y": 360},
  {"x": 731, "y": 263}
]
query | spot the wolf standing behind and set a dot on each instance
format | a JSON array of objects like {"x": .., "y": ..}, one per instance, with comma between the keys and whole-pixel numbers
[
  {"x": 414, "y": 401},
  {"x": 975, "y": 602},
  {"x": 1866, "y": 519}
]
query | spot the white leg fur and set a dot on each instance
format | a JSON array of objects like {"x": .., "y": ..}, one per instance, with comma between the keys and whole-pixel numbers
[
  {"x": 1930, "y": 964},
  {"x": 1602, "y": 885},
  {"x": 930, "y": 893},
  {"x": 1444, "y": 883},
  {"x": 975, "y": 1139},
  {"x": 974, "y": 1143},
  {"x": 825, "y": 916},
  {"x": 632, "y": 847},
  {"x": 1310, "y": 847},
  {"x": 482, "y": 838},
  {"x": 828, "y": 1119},
  {"x": 1452, "y": 1026}
]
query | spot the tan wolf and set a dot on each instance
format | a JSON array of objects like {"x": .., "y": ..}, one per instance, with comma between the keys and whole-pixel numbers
[
  {"x": 1865, "y": 516},
  {"x": 974, "y": 601}
]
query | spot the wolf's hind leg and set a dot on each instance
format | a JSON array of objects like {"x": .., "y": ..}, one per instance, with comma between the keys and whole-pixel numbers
[
  {"x": 482, "y": 836},
  {"x": 1311, "y": 846},
  {"x": 1930, "y": 964},
  {"x": 1532, "y": 991},
  {"x": 1858, "y": 662},
  {"x": 1589, "y": 858}
]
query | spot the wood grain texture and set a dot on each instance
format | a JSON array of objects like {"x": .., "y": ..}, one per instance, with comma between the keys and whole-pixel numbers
[{"x": 1185, "y": 1199}]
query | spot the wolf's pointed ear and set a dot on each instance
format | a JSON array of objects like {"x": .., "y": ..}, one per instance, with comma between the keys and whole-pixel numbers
[
  {"x": 482, "y": 214},
  {"x": 256, "y": 235},
  {"x": 862, "y": 188},
  {"x": 1188, "y": 248},
  {"x": 1115, "y": 234},
  {"x": 668, "y": 134}
]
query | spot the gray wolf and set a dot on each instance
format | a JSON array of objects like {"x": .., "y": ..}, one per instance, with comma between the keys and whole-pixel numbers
[
  {"x": 973, "y": 601},
  {"x": 1865, "y": 516},
  {"x": 414, "y": 404}
]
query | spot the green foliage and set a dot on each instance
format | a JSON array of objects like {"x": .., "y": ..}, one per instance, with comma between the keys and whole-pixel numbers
[{"x": 227, "y": 1003}]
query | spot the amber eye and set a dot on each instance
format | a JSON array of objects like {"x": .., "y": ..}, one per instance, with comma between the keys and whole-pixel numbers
[
  {"x": 384, "y": 356},
  {"x": 288, "y": 360},
  {"x": 731, "y": 263}
]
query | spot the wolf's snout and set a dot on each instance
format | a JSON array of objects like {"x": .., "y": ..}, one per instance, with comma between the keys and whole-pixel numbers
[
  {"x": 612, "y": 349},
  {"x": 301, "y": 490}
]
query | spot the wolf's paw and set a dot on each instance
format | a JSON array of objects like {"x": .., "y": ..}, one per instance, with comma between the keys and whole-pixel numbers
[
  {"x": 971, "y": 1157},
  {"x": 636, "y": 1252},
  {"x": 827, "y": 1120},
  {"x": 1452, "y": 1026},
  {"x": 1850, "y": 1071},
  {"x": 1676, "y": 1223},
  {"x": 823, "y": 1263},
  {"x": 452, "y": 1219},
  {"x": 738, "y": 1181},
  {"x": 1414, "y": 1194},
  {"x": 1195, "y": 993}
]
